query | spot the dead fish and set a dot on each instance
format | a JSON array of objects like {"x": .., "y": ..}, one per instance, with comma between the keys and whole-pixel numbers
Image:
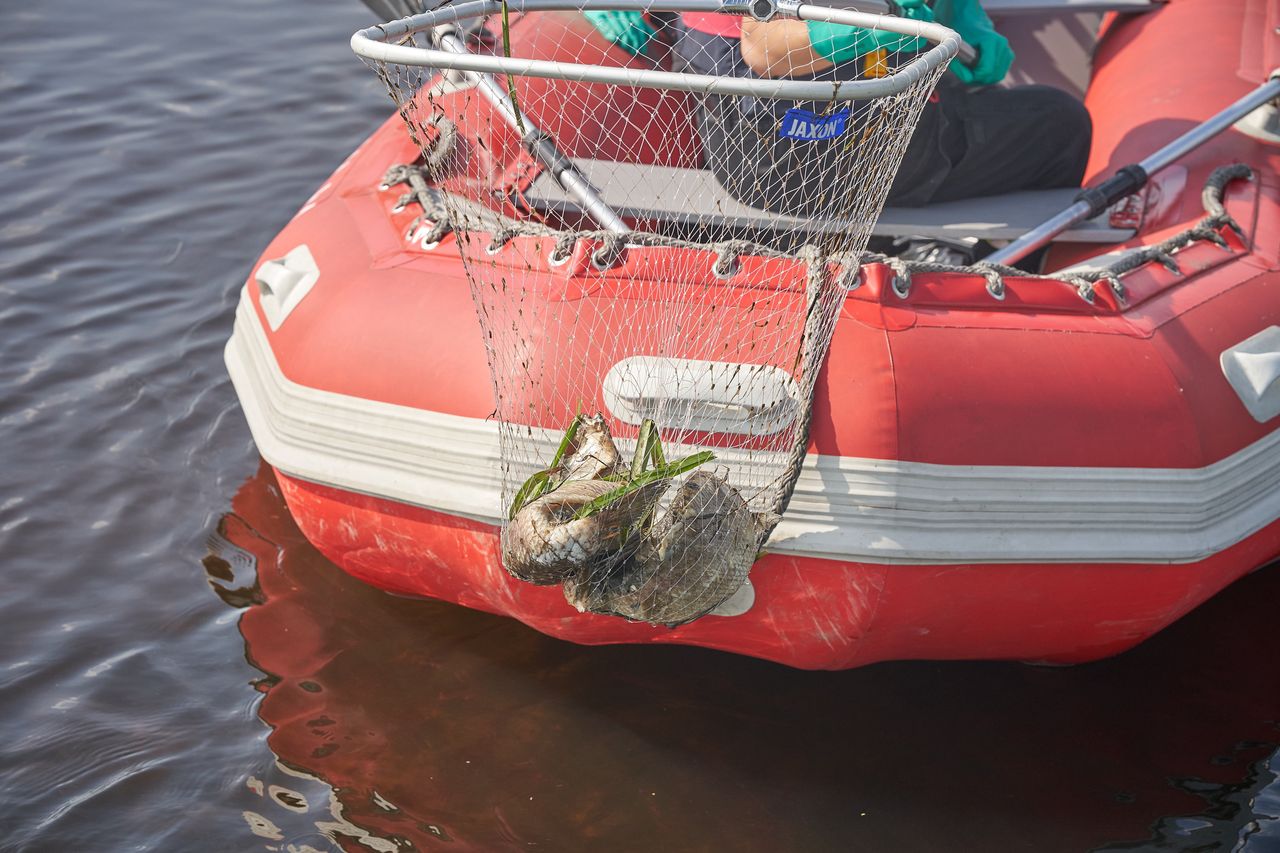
[
  {"x": 697, "y": 556},
  {"x": 544, "y": 543},
  {"x": 592, "y": 453}
]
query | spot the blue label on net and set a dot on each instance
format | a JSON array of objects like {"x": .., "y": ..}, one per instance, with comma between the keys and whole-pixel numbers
[{"x": 811, "y": 127}]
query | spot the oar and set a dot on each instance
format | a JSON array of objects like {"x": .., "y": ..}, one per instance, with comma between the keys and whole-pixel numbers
[
  {"x": 538, "y": 143},
  {"x": 1129, "y": 179}
]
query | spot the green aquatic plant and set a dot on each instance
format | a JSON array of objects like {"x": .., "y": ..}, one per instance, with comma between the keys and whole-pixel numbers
[
  {"x": 648, "y": 465},
  {"x": 543, "y": 481},
  {"x": 637, "y": 482},
  {"x": 511, "y": 82}
]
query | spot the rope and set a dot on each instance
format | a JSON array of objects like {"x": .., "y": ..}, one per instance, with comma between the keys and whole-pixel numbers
[
  {"x": 727, "y": 252},
  {"x": 1208, "y": 229}
]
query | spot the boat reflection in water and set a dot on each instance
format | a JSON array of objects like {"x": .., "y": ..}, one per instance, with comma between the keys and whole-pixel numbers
[{"x": 429, "y": 722}]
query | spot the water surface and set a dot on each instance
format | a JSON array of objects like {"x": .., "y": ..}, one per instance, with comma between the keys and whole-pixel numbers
[{"x": 180, "y": 670}]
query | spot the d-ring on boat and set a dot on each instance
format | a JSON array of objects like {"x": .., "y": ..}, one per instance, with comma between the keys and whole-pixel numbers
[{"x": 972, "y": 461}]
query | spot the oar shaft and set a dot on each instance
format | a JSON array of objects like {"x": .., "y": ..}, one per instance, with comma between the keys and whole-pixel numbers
[
  {"x": 541, "y": 146},
  {"x": 1132, "y": 178}
]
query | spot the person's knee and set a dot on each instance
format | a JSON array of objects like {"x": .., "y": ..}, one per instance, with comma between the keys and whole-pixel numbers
[
  {"x": 1071, "y": 114},
  {"x": 1077, "y": 131},
  {"x": 1064, "y": 125}
]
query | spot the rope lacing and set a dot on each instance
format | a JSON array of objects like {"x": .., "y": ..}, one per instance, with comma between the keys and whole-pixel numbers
[
  {"x": 1207, "y": 229},
  {"x": 444, "y": 215}
]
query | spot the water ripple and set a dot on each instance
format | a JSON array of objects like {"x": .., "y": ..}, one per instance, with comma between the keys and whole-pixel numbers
[{"x": 179, "y": 668}]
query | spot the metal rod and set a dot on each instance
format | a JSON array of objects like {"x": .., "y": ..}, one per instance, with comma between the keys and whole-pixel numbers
[
  {"x": 1198, "y": 136},
  {"x": 541, "y": 146},
  {"x": 1043, "y": 233}
]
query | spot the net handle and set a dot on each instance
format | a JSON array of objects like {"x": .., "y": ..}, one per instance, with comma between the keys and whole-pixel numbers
[{"x": 378, "y": 43}]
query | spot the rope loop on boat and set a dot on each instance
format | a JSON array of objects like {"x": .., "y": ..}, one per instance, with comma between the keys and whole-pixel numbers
[
  {"x": 727, "y": 265},
  {"x": 436, "y": 158},
  {"x": 420, "y": 193},
  {"x": 1085, "y": 288},
  {"x": 1216, "y": 185},
  {"x": 1208, "y": 229},
  {"x": 439, "y": 229},
  {"x": 501, "y": 237},
  {"x": 902, "y": 271},
  {"x": 563, "y": 248},
  {"x": 611, "y": 245},
  {"x": 995, "y": 283}
]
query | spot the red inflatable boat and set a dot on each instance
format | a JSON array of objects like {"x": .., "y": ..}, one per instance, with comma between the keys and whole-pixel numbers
[{"x": 1045, "y": 468}]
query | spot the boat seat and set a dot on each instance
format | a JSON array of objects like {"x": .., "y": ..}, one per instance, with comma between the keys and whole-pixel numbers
[{"x": 693, "y": 197}]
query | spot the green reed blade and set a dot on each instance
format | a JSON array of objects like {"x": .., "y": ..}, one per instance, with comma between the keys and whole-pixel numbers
[
  {"x": 655, "y": 452},
  {"x": 533, "y": 488},
  {"x": 663, "y": 472},
  {"x": 511, "y": 81},
  {"x": 569, "y": 435},
  {"x": 643, "y": 440},
  {"x": 648, "y": 448},
  {"x": 541, "y": 483}
]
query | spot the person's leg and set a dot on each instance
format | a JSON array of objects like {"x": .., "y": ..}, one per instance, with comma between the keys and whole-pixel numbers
[
  {"x": 927, "y": 159},
  {"x": 1028, "y": 137},
  {"x": 757, "y": 166}
]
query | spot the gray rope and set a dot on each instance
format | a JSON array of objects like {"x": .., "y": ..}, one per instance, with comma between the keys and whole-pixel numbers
[
  {"x": 1207, "y": 229},
  {"x": 472, "y": 215}
]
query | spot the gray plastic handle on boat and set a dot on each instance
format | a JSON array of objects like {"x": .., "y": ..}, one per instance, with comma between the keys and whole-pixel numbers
[
  {"x": 1130, "y": 179},
  {"x": 380, "y": 44}
]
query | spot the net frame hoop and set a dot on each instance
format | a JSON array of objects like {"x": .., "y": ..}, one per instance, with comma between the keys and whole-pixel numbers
[{"x": 377, "y": 44}]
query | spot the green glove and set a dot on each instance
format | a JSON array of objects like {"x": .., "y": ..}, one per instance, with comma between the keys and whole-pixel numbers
[
  {"x": 840, "y": 43},
  {"x": 628, "y": 30},
  {"x": 994, "y": 54}
]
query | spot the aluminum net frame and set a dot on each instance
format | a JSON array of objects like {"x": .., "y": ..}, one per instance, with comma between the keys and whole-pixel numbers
[{"x": 653, "y": 380}]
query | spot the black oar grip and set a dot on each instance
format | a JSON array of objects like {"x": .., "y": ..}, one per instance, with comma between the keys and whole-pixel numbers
[{"x": 1126, "y": 181}]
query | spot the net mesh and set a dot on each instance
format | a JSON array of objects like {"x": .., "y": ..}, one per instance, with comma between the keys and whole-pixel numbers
[{"x": 653, "y": 382}]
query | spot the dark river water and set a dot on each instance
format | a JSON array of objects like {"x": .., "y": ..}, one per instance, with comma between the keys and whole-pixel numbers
[{"x": 180, "y": 670}]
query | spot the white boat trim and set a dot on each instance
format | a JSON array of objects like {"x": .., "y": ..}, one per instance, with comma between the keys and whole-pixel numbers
[{"x": 849, "y": 509}]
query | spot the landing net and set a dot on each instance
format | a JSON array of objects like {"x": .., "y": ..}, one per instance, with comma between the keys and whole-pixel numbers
[{"x": 657, "y": 262}]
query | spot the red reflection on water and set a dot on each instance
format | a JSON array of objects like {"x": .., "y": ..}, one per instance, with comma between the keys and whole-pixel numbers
[{"x": 474, "y": 728}]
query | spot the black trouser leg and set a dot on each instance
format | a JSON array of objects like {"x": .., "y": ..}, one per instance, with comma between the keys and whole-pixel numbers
[
  {"x": 1028, "y": 137},
  {"x": 758, "y": 167},
  {"x": 967, "y": 143}
]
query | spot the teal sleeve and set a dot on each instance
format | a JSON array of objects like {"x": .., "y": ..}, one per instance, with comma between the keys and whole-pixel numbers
[
  {"x": 840, "y": 43},
  {"x": 628, "y": 30}
]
